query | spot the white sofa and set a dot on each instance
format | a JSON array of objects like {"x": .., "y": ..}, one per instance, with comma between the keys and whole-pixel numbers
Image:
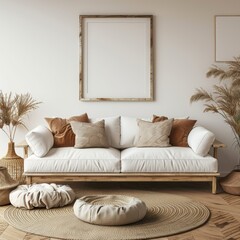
[{"x": 122, "y": 161}]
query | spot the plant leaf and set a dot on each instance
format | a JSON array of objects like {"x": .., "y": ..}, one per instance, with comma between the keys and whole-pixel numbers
[{"x": 201, "y": 95}]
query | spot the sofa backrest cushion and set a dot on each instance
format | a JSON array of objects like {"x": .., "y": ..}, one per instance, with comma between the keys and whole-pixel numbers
[
  {"x": 200, "y": 140},
  {"x": 40, "y": 140},
  {"x": 112, "y": 128},
  {"x": 129, "y": 130}
]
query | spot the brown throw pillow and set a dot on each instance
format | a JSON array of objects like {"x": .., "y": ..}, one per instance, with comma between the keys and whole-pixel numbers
[
  {"x": 62, "y": 130},
  {"x": 180, "y": 130},
  {"x": 159, "y": 118}
]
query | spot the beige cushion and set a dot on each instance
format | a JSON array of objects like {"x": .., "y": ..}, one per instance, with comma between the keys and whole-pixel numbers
[
  {"x": 89, "y": 135},
  {"x": 112, "y": 129},
  {"x": 41, "y": 196},
  {"x": 109, "y": 210},
  {"x": 129, "y": 131},
  {"x": 154, "y": 134}
]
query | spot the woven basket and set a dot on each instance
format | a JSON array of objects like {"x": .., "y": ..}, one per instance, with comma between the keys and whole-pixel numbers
[
  {"x": 231, "y": 183},
  {"x": 13, "y": 163},
  {"x": 7, "y": 184}
]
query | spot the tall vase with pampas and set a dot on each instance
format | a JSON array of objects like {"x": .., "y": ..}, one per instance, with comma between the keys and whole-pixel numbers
[
  {"x": 13, "y": 108},
  {"x": 225, "y": 100}
]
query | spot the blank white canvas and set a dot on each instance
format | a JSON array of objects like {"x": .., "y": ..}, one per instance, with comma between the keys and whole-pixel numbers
[
  {"x": 227, "y": 37},
  {"x": 117, "y": 58}
]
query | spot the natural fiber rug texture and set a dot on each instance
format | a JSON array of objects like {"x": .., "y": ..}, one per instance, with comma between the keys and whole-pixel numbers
[{"x": 167, "y": 214}]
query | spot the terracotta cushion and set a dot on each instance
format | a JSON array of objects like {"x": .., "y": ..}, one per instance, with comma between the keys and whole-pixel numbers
[
  {"x": 62, "y": 130},
  {"x": 180, "y": 130}
]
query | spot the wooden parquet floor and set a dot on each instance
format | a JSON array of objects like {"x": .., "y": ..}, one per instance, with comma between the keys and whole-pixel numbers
[{"x": 224, "y": 223}]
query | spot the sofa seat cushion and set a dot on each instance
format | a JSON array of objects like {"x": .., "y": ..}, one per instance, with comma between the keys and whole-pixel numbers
[
  {"x": 170, "y": 159},
  {"x": 71, "y": 160}
]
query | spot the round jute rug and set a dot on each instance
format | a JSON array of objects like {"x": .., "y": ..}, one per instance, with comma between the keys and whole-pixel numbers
[{"x": 167, "y": 214}]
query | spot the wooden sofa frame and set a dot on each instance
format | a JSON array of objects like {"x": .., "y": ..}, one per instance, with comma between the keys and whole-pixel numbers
[{"x": 124, "y": 177}]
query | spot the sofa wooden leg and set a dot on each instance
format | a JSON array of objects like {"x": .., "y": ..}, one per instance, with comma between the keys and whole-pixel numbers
[
  {"x": 214, "y": 185},
  {"x": 29, "y": 180}
]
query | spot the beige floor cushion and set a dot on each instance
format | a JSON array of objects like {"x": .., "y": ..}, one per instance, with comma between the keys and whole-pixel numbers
[
  {"x": 109, "y": 209},
  {"x": 41, "y": 196}
]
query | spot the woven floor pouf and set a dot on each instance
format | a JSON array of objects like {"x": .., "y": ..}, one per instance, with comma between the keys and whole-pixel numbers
[
  {"x": 110, "y": 210},
  {"x": 41, "y": 196}
]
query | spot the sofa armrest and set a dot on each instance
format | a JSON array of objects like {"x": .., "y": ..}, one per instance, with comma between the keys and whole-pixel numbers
[
  {"x": 216, "y": 145},
  {"x": 23, "y": 144},
  {"x": 40, "y": 140},
  {"x": 200, "y": 140}
]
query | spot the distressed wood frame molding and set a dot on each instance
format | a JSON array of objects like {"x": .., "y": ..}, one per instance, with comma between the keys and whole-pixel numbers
[{"x": 116, "y": 57}]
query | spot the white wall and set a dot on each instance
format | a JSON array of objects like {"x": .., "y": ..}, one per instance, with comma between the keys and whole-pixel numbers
[{"x": 39, "y": 53}]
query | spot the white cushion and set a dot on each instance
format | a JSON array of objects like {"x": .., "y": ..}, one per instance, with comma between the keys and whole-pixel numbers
[
  {"x": 40, "y": 140},
  {"x": 170, "y": 159},
  {"x": 121, "y": 209},
  {"x": 72, "y": 160},
  {"x": 129, "y": 130},
  {"x": 112, "y": 128},
  {"x": 200, "y": 140},
  {"x": 41, "y": 196}
]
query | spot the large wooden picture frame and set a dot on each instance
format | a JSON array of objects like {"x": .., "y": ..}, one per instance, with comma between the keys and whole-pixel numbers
[
  {"x": 227, "y": 37},
  {"x": 116, "y": 59}
]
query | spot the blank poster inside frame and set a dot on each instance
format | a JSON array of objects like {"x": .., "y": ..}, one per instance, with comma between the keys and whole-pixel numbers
[
  {"x": 116, "y": 62},
  {"x": 227, "y": 37}
]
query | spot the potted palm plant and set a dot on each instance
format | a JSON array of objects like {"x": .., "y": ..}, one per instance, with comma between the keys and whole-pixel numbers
[
  {"x": 13, "y": 109},
  {"x": 225, "y": 100}
]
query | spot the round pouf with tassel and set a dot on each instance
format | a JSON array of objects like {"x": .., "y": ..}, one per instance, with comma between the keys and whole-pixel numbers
[{"x": 7, "y": 184}]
